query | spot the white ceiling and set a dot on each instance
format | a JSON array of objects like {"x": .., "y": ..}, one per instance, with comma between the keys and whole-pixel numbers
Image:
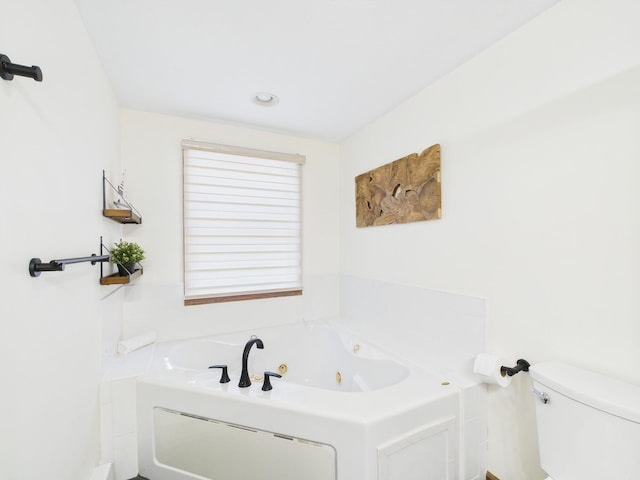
[{"x": 335, "y": 65}]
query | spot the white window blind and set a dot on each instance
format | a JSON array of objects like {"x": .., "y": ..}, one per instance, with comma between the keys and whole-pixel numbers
[{"x": 242, "y": 223}]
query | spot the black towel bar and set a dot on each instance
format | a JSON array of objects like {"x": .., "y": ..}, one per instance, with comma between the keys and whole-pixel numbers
[{"x": 36, "y": 266}]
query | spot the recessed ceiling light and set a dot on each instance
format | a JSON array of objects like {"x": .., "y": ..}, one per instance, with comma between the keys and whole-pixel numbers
[{"x": 265, "y": 99}]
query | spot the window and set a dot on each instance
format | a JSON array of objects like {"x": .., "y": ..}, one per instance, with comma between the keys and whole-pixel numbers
[{"x": 242, "y": 223}]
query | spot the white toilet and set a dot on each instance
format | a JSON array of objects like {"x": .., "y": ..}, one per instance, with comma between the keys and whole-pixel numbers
[{"x": 588, "y": 424}]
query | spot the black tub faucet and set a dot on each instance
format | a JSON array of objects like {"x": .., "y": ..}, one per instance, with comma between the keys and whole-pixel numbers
[{"x": 244, "y": 377}]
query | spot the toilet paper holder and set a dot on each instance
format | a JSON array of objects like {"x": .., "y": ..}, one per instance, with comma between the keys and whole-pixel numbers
[{"x": 521, "y": 366}]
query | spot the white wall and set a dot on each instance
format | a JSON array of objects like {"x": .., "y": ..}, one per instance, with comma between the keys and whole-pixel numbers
[
  {"x": 540, "y": 145},
  {"x": 541, "y": 213},
  {"x": 152, "y": 156},
  {"x": 56, "y": 137}
]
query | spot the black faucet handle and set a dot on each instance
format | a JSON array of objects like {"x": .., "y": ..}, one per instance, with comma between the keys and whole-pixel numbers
[
  {"x": 266, "y": 385},
  {"x": 224, "y": 378}
]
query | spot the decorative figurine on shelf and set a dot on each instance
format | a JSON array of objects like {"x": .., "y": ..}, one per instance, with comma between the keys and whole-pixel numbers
[
  {"x": 126, "y": 255},
  {"x": 121, "y": 186},
  {"x": 121, "y": 202},
  {"x": 118, "y": 204}
]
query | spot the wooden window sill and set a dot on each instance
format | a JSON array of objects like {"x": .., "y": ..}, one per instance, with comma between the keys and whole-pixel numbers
[{"x": 237, "y": 298}]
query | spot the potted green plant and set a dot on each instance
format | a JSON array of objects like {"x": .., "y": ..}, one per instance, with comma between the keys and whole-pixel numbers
[{"x": 125, "y": 255}]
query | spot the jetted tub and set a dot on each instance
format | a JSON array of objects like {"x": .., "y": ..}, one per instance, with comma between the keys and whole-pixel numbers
[{"x": 343, "y": 409}]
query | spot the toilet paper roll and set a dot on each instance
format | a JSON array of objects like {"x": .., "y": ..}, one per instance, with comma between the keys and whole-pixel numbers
[
  {"x": 489, "y": 367},
  {"x": 134, "y": 343}
]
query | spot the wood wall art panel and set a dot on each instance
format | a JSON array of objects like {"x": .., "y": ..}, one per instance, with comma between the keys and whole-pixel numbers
[{"x": 405, "y": 190}]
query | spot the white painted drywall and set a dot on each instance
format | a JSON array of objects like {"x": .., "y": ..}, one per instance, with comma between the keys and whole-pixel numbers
[
  {"x": 56, "y": 138},
  {"x": 541, "y": 214}
]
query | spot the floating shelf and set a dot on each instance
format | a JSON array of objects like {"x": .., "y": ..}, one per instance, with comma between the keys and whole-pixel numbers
[
  {"x": 122, "y": 216},
  {"x": 117, "y": 279},
  {"x": 128, "y": 214}
]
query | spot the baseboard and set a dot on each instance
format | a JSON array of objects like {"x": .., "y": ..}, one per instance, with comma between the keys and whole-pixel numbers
[
  {"x": 103, "y": 472},
  {"x": 491, "y": 476}
]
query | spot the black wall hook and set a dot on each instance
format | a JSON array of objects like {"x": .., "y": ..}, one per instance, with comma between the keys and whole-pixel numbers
[
  {"x": 8, "y": 70},
  {"x": 521, "y": 366}
]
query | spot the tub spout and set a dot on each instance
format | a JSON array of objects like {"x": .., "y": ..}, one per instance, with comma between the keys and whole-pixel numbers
[{"x": 244, "y": 377}]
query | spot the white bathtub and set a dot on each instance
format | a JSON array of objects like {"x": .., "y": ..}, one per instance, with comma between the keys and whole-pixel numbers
[{"x": 343, "y": 409}]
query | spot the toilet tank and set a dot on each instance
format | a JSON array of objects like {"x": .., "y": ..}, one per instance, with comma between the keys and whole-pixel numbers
[{"x": 589, "y": 429}]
